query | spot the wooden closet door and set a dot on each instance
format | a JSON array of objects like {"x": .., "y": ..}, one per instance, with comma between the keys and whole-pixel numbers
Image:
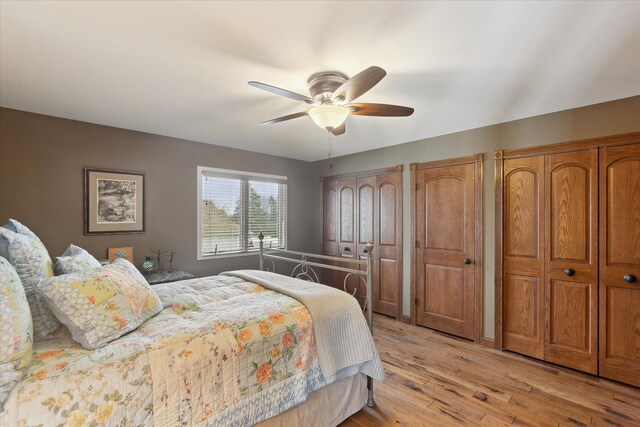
[
  {"x": 523, "y": 263},
  {"x": 330, "y": 228},
  {"x": 366, "y": 208},
  {"x": 620, "y": 263},
  {"x": 347, "y": 234},
  {"x": 445, "y": 283},
  {"x": 571, "y": 273},
  {"x": 388, "y": 248}
]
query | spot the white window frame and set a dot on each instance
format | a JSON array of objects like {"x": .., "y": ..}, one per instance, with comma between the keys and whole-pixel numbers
[{"x": 229, "y": 173}]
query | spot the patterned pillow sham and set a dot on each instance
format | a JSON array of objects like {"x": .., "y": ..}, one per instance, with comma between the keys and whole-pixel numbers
[
  {"x": 22, "y": 229},
  {"x": 103, "y": 304},
  {"x": 74, "y": 260},
  {"x": 16, "y": 329},
  {"x": 24, "y": 250}
]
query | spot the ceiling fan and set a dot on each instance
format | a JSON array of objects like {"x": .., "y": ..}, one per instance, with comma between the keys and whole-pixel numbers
[{"x": 332, "y": 95}]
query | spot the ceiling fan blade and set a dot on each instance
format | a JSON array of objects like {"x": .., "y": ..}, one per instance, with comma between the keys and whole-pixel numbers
[
  {"x": 340, "y": 129},
  {"x": 358, "y": 84},
  {"x": 283, "y": 92},
  {"x": 284, "y": 118},
  {"x": 382, "y": 110}
]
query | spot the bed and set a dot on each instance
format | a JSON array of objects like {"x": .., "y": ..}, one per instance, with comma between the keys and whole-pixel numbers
[{"x": 235, "y": 349}]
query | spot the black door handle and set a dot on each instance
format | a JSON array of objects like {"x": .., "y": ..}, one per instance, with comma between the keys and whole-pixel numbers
[
  {"x": 467, "y": 261},
  {"x": 347, "y": 250},
  {"x": 630, "y": 278},
  {"x": 569, "y": 271}
]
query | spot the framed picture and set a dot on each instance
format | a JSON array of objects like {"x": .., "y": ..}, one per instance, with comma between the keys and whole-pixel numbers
[
  {"x": 125, "y": 252},
  {"x": 114, "y": 202}
]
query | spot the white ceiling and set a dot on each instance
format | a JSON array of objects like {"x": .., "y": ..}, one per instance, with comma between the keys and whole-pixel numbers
[{"x": 181, "y": 68}]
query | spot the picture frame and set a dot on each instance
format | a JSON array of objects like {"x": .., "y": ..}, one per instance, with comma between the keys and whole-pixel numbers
[
  {"x": 125, "y": 252},
  {"x": 114, "y": 201}
]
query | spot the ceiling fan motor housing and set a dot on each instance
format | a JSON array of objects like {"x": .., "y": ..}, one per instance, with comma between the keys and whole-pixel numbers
[{"x": 323, "y": 84}]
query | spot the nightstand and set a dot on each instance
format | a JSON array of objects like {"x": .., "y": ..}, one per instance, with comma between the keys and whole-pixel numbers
[{"x": 167, "y": 276}]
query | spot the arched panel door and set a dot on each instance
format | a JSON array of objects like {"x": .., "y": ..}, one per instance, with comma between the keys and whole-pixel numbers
[
  {"x": 445, "y": 248},
  {"x": 620, "y": 263},
  {"x": 348, "y": 230},
  {"x": 330, "y": 228},
  {"x": 366, "y": 207},
  {"x": 388, "y": 250},
  {"x": 571, "y": 280},
  {"x": 523, "y": 271}
]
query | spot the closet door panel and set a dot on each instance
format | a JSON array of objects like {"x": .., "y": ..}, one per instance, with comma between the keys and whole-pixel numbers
[
  {"x": 521, "y": 310},
  {"x": 389, "y": 194},
  {"x": 348, "y": 224},
  {"x": 569, "y": 316},
  {"x": 388, "y": 243},
  {"x": 365, "y": 207},
  {"x": 620, "y": 263},
  {"x": 330, "y": 228},
  {"x": 523, "y": 262},
  {"x": 387, "y": 286},
  {"x": 571, "y": 278},
  {"x": 620, "y": 343},
  {"x": 347, "y": 212},
  {"x": 330, "y": 203}
]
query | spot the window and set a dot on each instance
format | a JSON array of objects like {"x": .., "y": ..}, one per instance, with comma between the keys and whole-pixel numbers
[{"x": 235, "y": 207}]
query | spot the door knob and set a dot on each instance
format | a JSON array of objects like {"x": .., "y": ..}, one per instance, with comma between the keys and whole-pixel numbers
[
  {"x": 347, "y": 250},
  {"x": 630, "y": 278},
  {"x": 569, "y": 271},
  {"x": 467, "y": 261}
]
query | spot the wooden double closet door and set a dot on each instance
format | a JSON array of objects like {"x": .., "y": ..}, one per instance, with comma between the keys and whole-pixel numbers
[
  {"x": 360, "y": 208},
  {"x": 571, "y": 259}
]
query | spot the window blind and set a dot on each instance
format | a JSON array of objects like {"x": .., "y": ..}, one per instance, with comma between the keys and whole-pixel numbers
[
  {"x": 235, "y": 207},
  {"x": 221, "y": 215},
  {"x": 267, "y": 209}
]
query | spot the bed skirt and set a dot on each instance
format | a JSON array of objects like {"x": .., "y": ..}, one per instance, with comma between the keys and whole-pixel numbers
[{"x": 326, "y": 407}]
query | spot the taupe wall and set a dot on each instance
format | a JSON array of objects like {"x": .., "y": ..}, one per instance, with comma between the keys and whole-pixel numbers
[
  {"x": 41, "y": 162},
  {"x": 609, "y": 118}
]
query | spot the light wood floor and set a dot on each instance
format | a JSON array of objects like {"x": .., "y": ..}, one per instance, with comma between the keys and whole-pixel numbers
[{"x": 436, "y": 380}]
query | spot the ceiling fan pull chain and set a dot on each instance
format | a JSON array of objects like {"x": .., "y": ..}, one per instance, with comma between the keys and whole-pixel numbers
[{"x": 330, "y": 143}]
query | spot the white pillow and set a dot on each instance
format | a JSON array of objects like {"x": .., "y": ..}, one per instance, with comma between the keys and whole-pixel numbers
[
  {"x": 74, "y": 260},
  {"x": 30, "y": 258}
]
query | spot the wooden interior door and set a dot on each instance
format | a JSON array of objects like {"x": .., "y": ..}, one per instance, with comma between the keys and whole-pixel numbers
[
  {"x": 366, "y": 208},
  {"x": 620, "y": 263},
  {"x": 388, "y": 244},
  {"x": 445, "y": 248},
  {"x": 347, "y": 236},
  {"x": 571, "y": 273},
  {"x": 523, "y": 261},
  {"x": 330, "y": 228}
]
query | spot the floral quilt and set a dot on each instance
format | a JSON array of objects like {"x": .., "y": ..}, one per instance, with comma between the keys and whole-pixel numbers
[{"x": 223, "y": 351}]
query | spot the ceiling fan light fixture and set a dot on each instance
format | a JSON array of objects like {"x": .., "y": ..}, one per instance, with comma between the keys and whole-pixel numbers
[
  {"x": 329, "y": 116},
  {"x": 332, "y": 95}
]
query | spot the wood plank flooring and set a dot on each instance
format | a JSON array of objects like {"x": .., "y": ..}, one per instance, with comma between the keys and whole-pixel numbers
[{"x": 437, "y": 380}]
